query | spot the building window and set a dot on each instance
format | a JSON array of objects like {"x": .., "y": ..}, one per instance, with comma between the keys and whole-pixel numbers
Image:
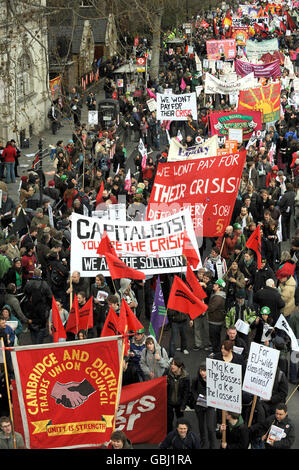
[{"x": 24, "y": 77}]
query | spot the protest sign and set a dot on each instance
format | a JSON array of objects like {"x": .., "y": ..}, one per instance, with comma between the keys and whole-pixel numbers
[
  {"x": 176, "y": 107},
  {"x": 59, "y": 387},
  {"x": 150, "y": 246},
  {"x": 271, "y": 69},
  {"x": 224, "y": 385},
  {"x": 283, "y": 324},
  {"x": 214, "y": 85},
  {"x": 152, "y": 105},
  {"x": 93, "y": 117},
  {"x": 265, "y": 99},
  {"x": 222, "y": 121},
  {"x": 142, "y": 411},
  {"x": 217, "y": 48},
  {"x": 111, "y": 212},
  {"x": 206, "y": 186},
  {"x": 260, "y": 371},
  {"x": 207, "y": 148},
  {"x": 256, "y": 49},
  {"x": 236, "y": 134},
  {"x": 240, "y": 34}
]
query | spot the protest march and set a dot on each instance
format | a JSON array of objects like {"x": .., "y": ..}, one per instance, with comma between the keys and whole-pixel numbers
[{"x": 149, "y": 280}]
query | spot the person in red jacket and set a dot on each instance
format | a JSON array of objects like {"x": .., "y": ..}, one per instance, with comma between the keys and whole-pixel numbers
[
  {"x": 9, "y": 156},
  {"x": 271, "y": 174},
  {"x": 228, "y": 241}
]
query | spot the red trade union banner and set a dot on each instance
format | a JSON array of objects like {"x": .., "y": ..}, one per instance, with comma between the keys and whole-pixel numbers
[
  {"x": 207, "y": 187},
  {"x": 215, "y": 49},
  {"x": 142, "y": 412},
  {"x": 68, "y": 392},
  {"x": 248, "y": 121},
  {"x": 271, "y": 69}
]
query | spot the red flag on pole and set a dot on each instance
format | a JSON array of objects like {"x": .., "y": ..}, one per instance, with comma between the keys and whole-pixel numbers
[
  {"x": 100, "y": 193},
  {"x": 254, "y": 242},
  {"x": 105, "y": 246},
  {"x": 86, "y": 315},
  {"x": 110, "y": 327},
  {"x": 127, "y": 322},
  {"x": 193, "y": 284},
  {"x": 290, "y": 22},
  {"x": 127, "y": 317},
  {"x": 189, "y": 251},
  {"x": 182, "y": 299},
  {"x": 58, "y": 328},
  {"x": 118, "y": 269},
  {"x": 73, "y": 320}
]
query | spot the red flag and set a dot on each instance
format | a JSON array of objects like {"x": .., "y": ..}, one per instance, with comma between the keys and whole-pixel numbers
[
  {"x": 86, "y": 315},
  {"x": 73, "y": 319},
  {"x": 189, "y": 251},
  {"x": 290, "y": 22},
  {"x": 127, "y": 317},
  {"x": 110, "y": 327},
  {"x": 100, "y": 193},
  {"x": 182, "y": 299},
  {"x": 194, "y": 284},
  {"x": 127, "y": 322},
  {"x": 283, "y": 27},
  {"x": 105, "y": 246},
  {"x": 254, "y": 242},
  {"x": 118, "y": 269},
  {"x": 58, "y": 328}
]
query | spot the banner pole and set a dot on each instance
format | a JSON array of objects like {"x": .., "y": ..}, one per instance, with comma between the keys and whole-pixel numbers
[
  {"x": 8, "y": 394},
  {"x": 223, "y": 440},
  {"x": 119, "y": 383},
  {"x": 162, "y": 330},
  {"x": 252, "y": 411}
]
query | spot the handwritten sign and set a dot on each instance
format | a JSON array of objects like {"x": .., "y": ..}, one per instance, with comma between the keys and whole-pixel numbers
[
  {"x": 224, "y": 381},
  {"x": 260, "y": 371}
]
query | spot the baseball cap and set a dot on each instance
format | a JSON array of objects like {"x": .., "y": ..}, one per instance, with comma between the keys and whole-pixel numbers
[
  {"x": 237, "y": 226},
  {"x": 139, "y": 332}
]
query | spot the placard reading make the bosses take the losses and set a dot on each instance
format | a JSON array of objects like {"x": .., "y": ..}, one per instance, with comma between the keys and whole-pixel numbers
[
  {"x": 152, "y": 247},
  {"x": 224, "y": 385}
]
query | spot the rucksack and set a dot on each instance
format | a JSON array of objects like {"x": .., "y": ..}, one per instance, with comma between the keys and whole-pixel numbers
[{"x": 56, "y": 276}]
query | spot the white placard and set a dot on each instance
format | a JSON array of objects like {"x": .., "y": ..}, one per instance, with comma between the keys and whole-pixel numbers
[
  {"x": 260, "y": 371},
  {"x": 242, "y": 327},
  {"x": 176, "y": 107},
  {"x": 93, "y": 117},
  {"x": 235, "y": 134},
  {"x": 111, "y": 212},
  {"x": 50, "y": 213},
  {"x": 224, "y": 380},
  {"x": 152, "y": 105},
  {"x": 282, "y": 324}
]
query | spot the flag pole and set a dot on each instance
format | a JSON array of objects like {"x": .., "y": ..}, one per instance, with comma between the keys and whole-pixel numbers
[
  {"x": 223, "y": 422},
  {"x": 162, "y": 330},
  {"x": 8, "y": 394},
  {"x": 252, "y": 411},
  {"x": 119, "y": 383}
]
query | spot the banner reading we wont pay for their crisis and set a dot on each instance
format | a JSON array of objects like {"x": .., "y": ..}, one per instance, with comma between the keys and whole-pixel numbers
[
  {"x": 68, "y": 392},
  {"x": 152, "y": 247},
  {"x": 206, "y": 186}
]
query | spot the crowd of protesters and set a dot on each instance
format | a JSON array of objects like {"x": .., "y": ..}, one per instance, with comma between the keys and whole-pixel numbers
[{"x": 35, "y": 248}]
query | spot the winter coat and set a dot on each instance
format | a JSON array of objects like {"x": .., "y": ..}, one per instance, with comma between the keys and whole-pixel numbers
[
  {"x": 9, "y": 154},
  {"x": 178, "y": 389},
  {"x": 174, "y": 441},
  {"x": 261, "y": 277},
  {"x": 244, "y": 312},
  {"x": 149, "y": 364},
  {"x": 12, "y": 317},
  {"x": 288, "y": 438},
  {"x": 287, "y": 290},
  {"x": 269, "y": 297},
  {"x": 216, "y": 307},
  {"x": 237, "y": 436}
]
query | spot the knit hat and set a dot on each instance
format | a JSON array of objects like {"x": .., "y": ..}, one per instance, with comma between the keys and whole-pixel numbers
[{"x": 240, "y": 294}]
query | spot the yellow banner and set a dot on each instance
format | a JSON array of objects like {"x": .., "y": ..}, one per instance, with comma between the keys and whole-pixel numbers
[{"x": 72, "y": 428}]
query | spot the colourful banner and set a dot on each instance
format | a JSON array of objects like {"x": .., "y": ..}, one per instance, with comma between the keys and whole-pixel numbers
[
  {"x": 206, "y": 186},
  {"x": 265, "y": 99},
  {"x": 142, "y": 411},
  {"x": 240, "y": 34},
  {"x": 222, "y": 121},
  {"x": 271, "y": 69},
  {"x": 256, "y": 49},
  {"x": 55, "y": 87},
  {"x": 217, "y": 48},
  {"x": 68, "y": 392}
]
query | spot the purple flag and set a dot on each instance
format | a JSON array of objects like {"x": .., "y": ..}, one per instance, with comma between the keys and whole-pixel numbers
[{"x": 158, "y": 312}]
